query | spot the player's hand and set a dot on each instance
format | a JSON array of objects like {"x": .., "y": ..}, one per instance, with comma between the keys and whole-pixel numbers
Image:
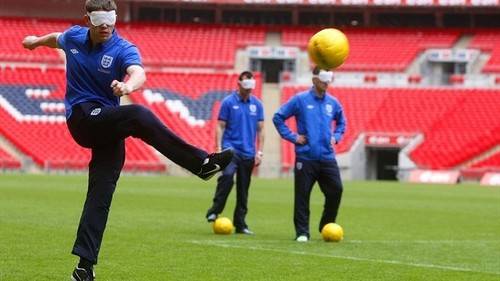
[
  {"x": 257, "y": 161},
  {"x": 301, "y": 139},
  {"x": 30, "y": 42},
  {"x": 120, "y": 88},
  {"x": 258, "y": 158},
  {"x": 333, "y": 141}
]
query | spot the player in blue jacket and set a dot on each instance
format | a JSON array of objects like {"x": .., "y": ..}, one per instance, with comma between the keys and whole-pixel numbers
[
  {"x": 97, "y": 61},
  {"x": 315, "y": 112}
]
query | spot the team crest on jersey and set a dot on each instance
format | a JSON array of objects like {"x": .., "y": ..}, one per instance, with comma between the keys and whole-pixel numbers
[
  {"x": 253, "y": 108},
  {"x": 106, "y": 61},
  {"x": 299, "y": 165},
  {"x": 329, "y": 108}
]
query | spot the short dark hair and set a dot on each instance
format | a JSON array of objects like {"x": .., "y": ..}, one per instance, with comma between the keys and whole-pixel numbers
[
  {"x": 100, "y": 5},
  {"x": 317, "y": 69},
  {"x": 245, "y": 74}
]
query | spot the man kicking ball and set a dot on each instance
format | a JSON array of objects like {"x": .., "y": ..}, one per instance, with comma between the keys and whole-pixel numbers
[{"x": 97, "y": 60}]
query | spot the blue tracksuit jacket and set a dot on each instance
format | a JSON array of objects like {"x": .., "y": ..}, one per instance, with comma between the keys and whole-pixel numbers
[{"x": 314, "y": 118}]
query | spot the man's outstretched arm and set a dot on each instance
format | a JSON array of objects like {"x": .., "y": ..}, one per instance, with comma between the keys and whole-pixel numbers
[{"x": 49, "y": 40}]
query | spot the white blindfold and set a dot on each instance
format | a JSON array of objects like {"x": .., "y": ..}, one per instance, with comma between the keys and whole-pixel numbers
[
  {"x": 98, "y": 18},
  {"x": 324, "y": 76},
  {"x": 247, "y": 84}
]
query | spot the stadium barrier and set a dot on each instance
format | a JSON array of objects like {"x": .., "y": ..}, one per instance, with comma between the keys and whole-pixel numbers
[
  {"x": 491, "y": 179},
  {"x": 434, "y": 176}
]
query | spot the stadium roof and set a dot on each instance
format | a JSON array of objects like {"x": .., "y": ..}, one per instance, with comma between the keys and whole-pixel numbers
[{"x": 375, "y": 3}]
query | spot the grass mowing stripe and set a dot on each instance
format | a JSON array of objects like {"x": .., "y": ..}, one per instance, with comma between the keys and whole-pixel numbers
[
  {"x": 394, "y": 231},
  {"x": 421, "y": 265}
]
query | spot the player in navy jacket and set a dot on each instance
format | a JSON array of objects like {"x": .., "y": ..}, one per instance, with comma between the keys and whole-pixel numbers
[
  {"x": 315, "y": 111},
  {"x": 97, "y": 61}
]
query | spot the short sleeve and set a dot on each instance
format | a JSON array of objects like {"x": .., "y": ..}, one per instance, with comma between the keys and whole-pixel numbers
[
  {"x": 261, "y": 112},
  {"x": 224, "y": 111},
  {"x": 130, "y": 56},
  {"x": 62, "y": 39}
]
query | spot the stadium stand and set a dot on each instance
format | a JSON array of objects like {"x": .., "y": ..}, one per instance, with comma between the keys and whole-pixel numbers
[
  {"x": 52, "y": 79},
  {"x": 8, "y": 161},
  {"x": 490, "y": 162},
  {"x": 467, "y": 129},
  {"x": 380, "y": 49},
  {"x": 457, "y": 124},
  {"x": 489, "y": 41},
  {"x": 32, "y": 118},
  {"x": 416, "y": 110},
  {"x": 16, "y": 28},
  {"x": 184, "y": 45},
  {"x": 191, "y": 45}
]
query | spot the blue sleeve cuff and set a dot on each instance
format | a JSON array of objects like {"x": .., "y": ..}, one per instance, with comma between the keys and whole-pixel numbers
[
  {"x": 337, "y": 137},
  {"x": 292, "y": 138}
]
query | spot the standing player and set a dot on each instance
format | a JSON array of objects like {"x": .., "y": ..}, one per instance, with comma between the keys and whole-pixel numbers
[
  {"x": 241, "y": 121},
  {"x": 314, "y": 110},
  {"x": 98, "y": 59}
]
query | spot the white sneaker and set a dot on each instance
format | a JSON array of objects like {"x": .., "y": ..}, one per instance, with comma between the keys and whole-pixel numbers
[
  {"x": 302, "y": 238},
  {"x": 212, "y": 217}
]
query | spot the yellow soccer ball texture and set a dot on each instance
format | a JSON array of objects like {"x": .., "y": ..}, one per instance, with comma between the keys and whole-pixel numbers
[
  {"x": 222, "y": 225},
  {"x": 332, "y": 232},
  {"x": 328, "y": 48}
]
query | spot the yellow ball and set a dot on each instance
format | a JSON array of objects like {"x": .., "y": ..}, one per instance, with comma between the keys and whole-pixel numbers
[
  {"x": 332, "y": 232},
  {"x": 328, "y": 48},
  {"x": 222, "y": 225}
]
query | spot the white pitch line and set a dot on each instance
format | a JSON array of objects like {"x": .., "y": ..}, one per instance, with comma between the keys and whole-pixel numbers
[
  {"x": 422, "y": 241},
  {"x": 421, "y": 265},
  {"x": 349, "y": 241}
]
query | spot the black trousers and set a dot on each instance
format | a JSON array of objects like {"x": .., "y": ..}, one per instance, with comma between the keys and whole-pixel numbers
[
  {"x": 307, "y": 173},
  {"x": 103, "y": 130},
  {"x": 243, "y": 170}
]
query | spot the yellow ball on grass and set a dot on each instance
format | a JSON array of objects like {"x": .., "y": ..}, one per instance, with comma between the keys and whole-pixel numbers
[
  {"x": 222, "y": 225},
  {"x": 332, "y": 232}
]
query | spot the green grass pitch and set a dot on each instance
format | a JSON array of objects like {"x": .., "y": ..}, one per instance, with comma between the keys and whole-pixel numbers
[{"x": 157, "y": 231}]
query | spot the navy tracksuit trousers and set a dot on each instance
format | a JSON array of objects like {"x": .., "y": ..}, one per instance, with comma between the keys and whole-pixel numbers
[
  {"x": 103, "y": 130},
  {"x": 243, "y": 170},
  {"x": 307, "y": 173}
]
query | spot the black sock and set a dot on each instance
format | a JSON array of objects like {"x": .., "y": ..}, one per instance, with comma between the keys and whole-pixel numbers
[{"x": 85, "y": 264}]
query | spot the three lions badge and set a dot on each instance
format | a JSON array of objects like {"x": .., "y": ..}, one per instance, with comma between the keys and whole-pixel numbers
[{"x": 106, "y": 61}]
